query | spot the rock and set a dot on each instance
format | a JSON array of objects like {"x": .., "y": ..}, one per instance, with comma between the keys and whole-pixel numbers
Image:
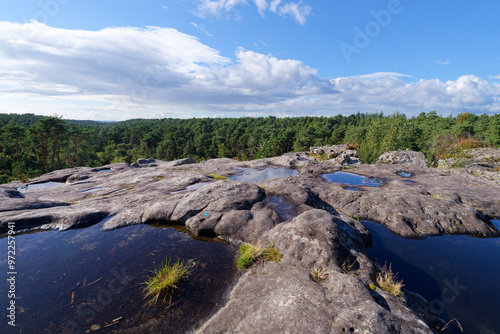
[
  {"x": 313, "y": 223},
  {"x": 282, "y": 297},
  {"x": 406, "y": 157},
  {"x": 9, "y": 192}
]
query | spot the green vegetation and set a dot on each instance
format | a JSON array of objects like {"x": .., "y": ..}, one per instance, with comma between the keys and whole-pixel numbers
[
  {"x": 250, "y": 253},
  {"x": 271, "y": 254},
  {"x": 388, "y": 281},
  {"x": 164, "y": 282},
  {"x": 218, "y": 177},
  {"x": 31, "y": 145}
]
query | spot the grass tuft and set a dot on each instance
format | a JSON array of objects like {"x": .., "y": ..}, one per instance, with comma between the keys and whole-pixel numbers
[
  {"x": 218, "y": 177},
  {"x": 271, "y": 254},
  {"x": 165, "y": 281},
  {"x": 318, "y": 274},
  {"x": 250, "y": 253},
  {"x": 388, "y": 281}
]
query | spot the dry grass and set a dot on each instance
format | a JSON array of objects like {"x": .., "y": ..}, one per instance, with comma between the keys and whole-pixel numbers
[
  {"x": 448, "y": 324},
  {"x": 319, "y": 274},
  {"x": 388, "y": 281}
]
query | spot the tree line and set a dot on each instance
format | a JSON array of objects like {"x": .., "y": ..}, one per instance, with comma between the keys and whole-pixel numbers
[{"x": 31, "y": 145}]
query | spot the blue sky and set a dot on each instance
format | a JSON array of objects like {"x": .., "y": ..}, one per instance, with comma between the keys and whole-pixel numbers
[{"x": 115, "y": 60}]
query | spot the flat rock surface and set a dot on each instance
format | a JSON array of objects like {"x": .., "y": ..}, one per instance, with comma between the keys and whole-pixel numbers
[{"x": 315, "y": 224}]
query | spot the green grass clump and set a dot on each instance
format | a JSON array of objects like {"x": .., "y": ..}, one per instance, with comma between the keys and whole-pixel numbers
[
  {"x": 164, "y": 282},
  {"x": 388, "y": 281},
  {"x": 271, "y": 254},
  {"x": 250, "y": 253},
  {"x": 218, "y": 177}
]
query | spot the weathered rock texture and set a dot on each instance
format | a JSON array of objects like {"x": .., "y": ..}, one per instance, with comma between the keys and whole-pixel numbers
[
  {"x": 403, "y": 158},
  {"x": 309, "y": 220}
]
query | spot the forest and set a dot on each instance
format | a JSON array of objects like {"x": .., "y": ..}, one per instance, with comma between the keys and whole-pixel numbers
[{"x": 32, "y": 145}]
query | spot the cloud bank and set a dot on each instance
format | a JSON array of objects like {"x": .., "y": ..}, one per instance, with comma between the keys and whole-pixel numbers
[{"x": 122, "y": 73}]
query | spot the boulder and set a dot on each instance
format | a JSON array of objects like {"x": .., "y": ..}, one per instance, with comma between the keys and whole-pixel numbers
[{"x": 405, "y": 157}]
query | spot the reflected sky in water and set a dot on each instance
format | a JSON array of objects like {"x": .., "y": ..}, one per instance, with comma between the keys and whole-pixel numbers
[
  {"x": 434, "y": 266},
  {"x": 251, "y": 175}
]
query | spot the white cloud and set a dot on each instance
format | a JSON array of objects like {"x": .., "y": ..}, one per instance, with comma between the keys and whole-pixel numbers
[
  {"x": 122, "y": 73},
  {"x": 223, "y": 8},
  {"x": 296, "y": 10},
  {"x": 446, "y": 62}
]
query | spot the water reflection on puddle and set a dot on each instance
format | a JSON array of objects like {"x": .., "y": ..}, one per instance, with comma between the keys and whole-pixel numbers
[
  {"x": 404, "y": 174},
  {"x": 458, "y": 275},
  {"x": 285, "y": 209},
  {"x": 352, "y": 179},
  {"x": 251, "y": 175},
  {"x": 80, "y": 278},
  {"x": 42, "y": 185}
]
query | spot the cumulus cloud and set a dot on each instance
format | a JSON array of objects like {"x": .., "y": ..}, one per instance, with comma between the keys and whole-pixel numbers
[
  {"x": 223, "y": 8},
  {"x": 122, "y": 73},
  {"x": 139, "y": 68}
]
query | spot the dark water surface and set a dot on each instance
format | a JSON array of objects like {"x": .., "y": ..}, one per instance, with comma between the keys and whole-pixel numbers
[
  {"x": 352, "y": 179},
  {"x": 252, "y": 175},
  {"x": 68, "y": 281},
  {"x": 458, "y": 275}
]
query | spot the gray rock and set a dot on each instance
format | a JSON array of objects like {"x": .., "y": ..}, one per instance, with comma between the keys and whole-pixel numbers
[
  {"x": 406, "y": 157},
  {"x": 310, "y": 221}
]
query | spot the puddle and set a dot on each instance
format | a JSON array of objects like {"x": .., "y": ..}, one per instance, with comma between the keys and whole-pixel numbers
[
  {"x": 458, "y": 275},
  {"x": 106, "y": 170},
  {"x": 90, "y": 190},
  {"x": 353, "y": 179},
  {"x": 285, "y": 209},
  {"x": 352, "y": 189},
  {"x": 409, "y": 181},
  {"x": 42, "y": 185},
  {"x": 496, "y": 223},
  {"x": 251, "y": 175},
  {"x": 68, "y": 281},
  {"x": 404, "y": 174},
  {"x": 191, "y": 187}
]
